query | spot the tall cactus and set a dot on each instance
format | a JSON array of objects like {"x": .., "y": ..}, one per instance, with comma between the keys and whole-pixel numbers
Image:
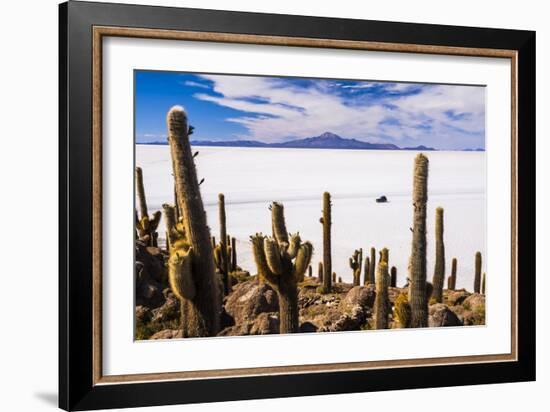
[
  {"x": 201, "y": 304},
  {"x": 451, "y": 282},
  {"x": 381, "y": 301},
  {"x": 146, "y": 225},
  {"x": 418, "y": 299},
  {"x": 477, "y": 277},
  {"x": 233, "y": 254},
  {"x": 393, "y": 277},
  {"x": 385, "y": 255},
  {"x": 326, "y": 221},
  {"x": 140, "y": 193},
  {"x": 366, "y": 270},
  {"x": 439, "y": 269},
  {"x": 282, "y": 262},
  {"x": 355, "y": 264},
  {"x": 372, "y": 265},
  {"x": 224, "y": 256}
]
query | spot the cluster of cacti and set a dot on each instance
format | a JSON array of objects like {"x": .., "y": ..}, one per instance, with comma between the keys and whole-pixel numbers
[
  {"x": 355, "y": 262},
  {"x": 381, "y": 302},
  {"x": 201, "y": 271},
  {"x": 477, "y": 275},
  {"x": 146, "y": 226},
  {"x": 191, "y": 264},
  {"x": 451, "y": 280},
  {"x": 439, "y": 270},
  {"x": 402, "y": 311},
  {"x": 418, "y": 298},
  {"x": 326, "y": 221},
  {"x": 282, "y": 261}
]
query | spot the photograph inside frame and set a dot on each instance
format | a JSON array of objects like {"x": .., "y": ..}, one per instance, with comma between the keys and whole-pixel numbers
[{"x": 277, "y": 205}]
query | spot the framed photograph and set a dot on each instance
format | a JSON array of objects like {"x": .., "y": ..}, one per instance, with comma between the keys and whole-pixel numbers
[{"x": 257, "y": 205}]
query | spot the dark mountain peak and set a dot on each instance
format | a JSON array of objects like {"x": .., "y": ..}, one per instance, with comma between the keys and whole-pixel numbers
[{"x": 327, "y": 136}]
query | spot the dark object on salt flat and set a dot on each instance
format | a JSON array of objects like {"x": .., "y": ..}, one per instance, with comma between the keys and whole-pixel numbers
[{"x": 381, "y": 199}]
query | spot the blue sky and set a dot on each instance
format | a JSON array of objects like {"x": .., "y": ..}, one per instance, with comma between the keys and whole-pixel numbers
[{"x": 277, "y": 109}]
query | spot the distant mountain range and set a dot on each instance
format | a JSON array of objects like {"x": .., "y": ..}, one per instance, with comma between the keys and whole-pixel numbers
[{"x": 325, "y": 141}]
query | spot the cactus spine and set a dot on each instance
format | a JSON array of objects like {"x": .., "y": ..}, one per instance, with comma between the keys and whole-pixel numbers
[
  {"x": 417, "y": 288},
  {"x": 372, "y": 265},
  {"x": 477, "y": 277},
  {"x": 439, "y": 270},
  {"x": 201, "y": 303},
  {"x": 355, "y": 263},
  {"x": 393, "y": 277},
  {"x": 381, "y": 302},
  {"x": 326, "y": 221},
  {"x": 282, "y": 262}
]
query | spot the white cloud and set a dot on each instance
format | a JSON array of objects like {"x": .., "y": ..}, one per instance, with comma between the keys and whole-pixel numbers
[{"x": 441, "y": 116}]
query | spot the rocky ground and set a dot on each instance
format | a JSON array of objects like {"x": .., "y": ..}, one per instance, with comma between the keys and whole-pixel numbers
[{"x": 252, "y": 308}]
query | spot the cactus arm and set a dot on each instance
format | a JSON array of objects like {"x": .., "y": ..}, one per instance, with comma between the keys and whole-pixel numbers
[
  {"x": 294, "y": 245},
  {"x": 303, "y": 258},
  {"x": 259, "y": 257},
  {"x": 278, "y": 221},
  {"x": 180, "y": 274},
  {"x": 273, "y": 256},
  {"x": 439, "y": 269}
]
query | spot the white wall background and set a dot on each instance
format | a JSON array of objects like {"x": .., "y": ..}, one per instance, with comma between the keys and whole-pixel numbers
[{"x": 28, "y": 199}]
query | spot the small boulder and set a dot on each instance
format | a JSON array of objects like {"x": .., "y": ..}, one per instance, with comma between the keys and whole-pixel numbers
[
  {"x": 456, "y": 297},
  {"x": 362, "y": 296},
  {"x": 249, "y": 299},
  {"x": 441, "y": 315}
]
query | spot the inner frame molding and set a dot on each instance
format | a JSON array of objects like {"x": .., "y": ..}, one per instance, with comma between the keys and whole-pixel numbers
[{"x": 99, "y": 32}]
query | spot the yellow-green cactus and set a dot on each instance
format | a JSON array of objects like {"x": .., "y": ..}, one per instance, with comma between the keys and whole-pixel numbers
[
  {"x": 326, "y": 221},
  {"x": 282, "y": 262},
  {"x": 439, "y": 270},
  {"x": 201, "y": 314},
  {"x": 381, "y": 302},
  {"x": 417, "y": 284},
  {"x": 477, "y": 276},
  {"x": 355, "y": 262},
  {"x": 402, "y": 311}
]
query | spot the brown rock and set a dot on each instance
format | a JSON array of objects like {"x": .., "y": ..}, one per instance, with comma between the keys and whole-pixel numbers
[
  {"x": 441, "y": 315},
  {"x": 362, "y": 296},
  {"x": 249, "y": 299},
  {"x": 456, "y": 297},
  {"x": 168, "y": 334}
]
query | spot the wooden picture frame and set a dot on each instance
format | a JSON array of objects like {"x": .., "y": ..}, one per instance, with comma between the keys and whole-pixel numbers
[{"x": 82, "y": 385}]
